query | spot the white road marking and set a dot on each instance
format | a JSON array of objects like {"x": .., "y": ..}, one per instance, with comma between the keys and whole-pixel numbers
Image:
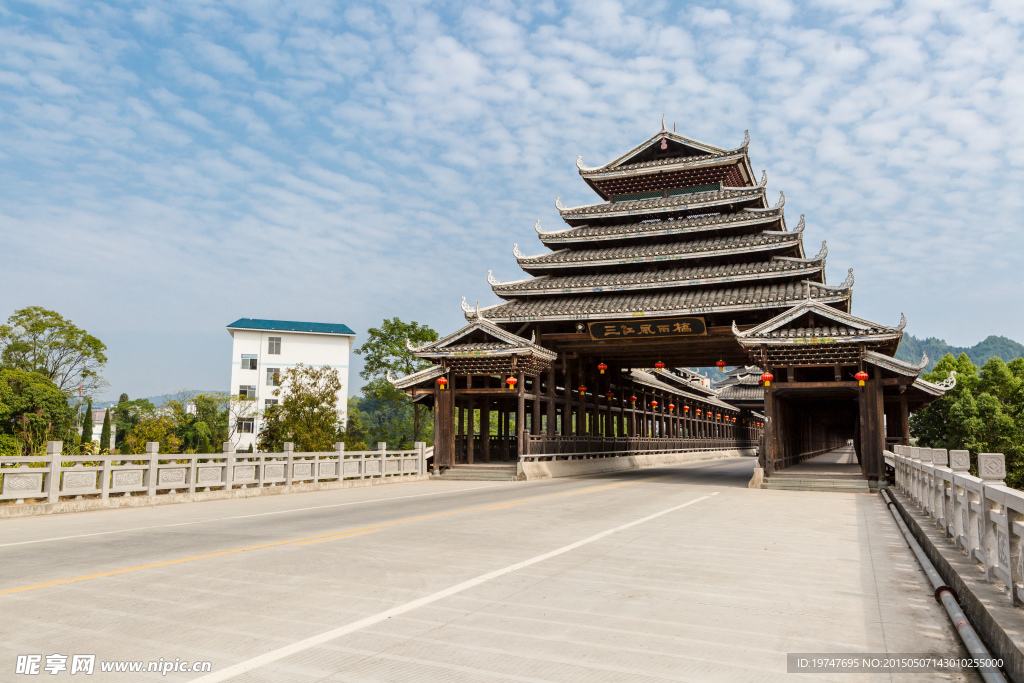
[
  {"x": 327, "y": 636},
  {"x": 257, "y": 514}
]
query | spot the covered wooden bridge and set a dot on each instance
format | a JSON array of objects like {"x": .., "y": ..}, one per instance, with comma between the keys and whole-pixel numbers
[{"x": 684, "y": 263}]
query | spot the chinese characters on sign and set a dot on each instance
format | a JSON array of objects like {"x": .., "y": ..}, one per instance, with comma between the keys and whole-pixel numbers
[{"x": 646, "y": 329}]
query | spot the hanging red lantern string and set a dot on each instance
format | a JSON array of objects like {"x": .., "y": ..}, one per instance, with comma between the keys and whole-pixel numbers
[
  {"x": 860, "y": 377},
  {"x": 602, "y": 367},
  {"x": 442, "y": 382},
  {"x": 511, "y": 382},
  {"x": 721, "y": 365},
  {"x": 654, "y": 405},
  {"x": 686, "y": 409},
  {"x": 583, "y": 390},
  {"x": 671, "y": 407},
  {"x": 632, "y": 400},
  {"x": 767, "y": 378}
]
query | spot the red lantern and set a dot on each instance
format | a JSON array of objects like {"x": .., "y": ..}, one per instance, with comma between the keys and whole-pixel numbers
[
  {"x": 721, "y": 365},
  {"x": 718, "y": 416},
  {"x": 583, "y": 390},
  {"x": 698, "y": 412},
  {"x": 442, "y": 382},
  {"x": 734, "y": 419},
  {"x": 602, "y": 367},
  {"x": 511, "y": 382},
  {"x": 671, "y": 407},
  {"x": 609, "y": 395},
  {"x": 767, "y": 378},
  {"x": 659, "y": 365},
  {"x": 686, "y": 409},
  {"x": 632, "y": 399},
  {"x": 860, "y": 377},
  {"x": 654, "y": 405}
]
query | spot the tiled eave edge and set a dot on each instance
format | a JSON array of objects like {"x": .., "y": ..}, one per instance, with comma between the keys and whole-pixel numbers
[
  {"x": 415, "y": 378},
  {"x": 680, "y": 204},
  {"x": 804, "y": 341},
  {"x": 667, "y": 313},
  {"x": 665, "y": 284},
  {"x": 894, "y": 365},
  {"x": 681, "y": 163},
  {"x": 682, "y": 229},
  {"x": 540, "y": 352},
  {"x": 528, "y": 263}
]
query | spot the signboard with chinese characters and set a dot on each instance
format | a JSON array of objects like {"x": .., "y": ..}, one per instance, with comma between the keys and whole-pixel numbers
[{"x": 647, "y": 329}]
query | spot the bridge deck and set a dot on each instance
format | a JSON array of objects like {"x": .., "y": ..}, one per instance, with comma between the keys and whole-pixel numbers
[
  {"x": 839, "y": 462},
  {"x": 695, "y": 578}
]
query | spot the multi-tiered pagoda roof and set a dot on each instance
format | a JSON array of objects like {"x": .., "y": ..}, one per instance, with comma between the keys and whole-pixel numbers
[{"x": 684, "y": 228}]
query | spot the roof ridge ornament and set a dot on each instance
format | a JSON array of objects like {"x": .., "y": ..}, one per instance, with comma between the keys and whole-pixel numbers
[
  {"x": 903, "y": 324},
  {"x": 764, "y": 178},
  {"x": 540, "y": 230},
  {"x": 583, "y": 167},
  {"x": 408, "y": 345},
  {"x": 823, "y": 252},
  {"x": 478, "y": 316},
  {"x": 848, "y": 282},
  {"x": 387, "y": 371},
  {"x": 663, "y": 128},
  {"x": 559, "y": 205},
  {"x": 801, "y": 225},
  {"x": 466, "y": 307},
  {"x": 515, "y": 251},
  {"x": 746, "y": 139},
  {"x": 947, "y": 383},
  {"x": 491, "y": 280},
  {"x": 782, "y": 200}
]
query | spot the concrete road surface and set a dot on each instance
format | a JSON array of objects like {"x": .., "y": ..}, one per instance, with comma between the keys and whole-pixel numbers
[{"x": 671, "y": 574}]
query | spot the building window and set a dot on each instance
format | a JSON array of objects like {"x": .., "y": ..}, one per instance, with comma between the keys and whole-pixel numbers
[
  {"x": 273, "y": 376},
  {"x": 246, "y": 425},
  {"x": 274, "y": 346},
  {"x": 248, "y": 361},
  {"x": 247, "y": 391},
  {"x": 269, "y": 403}
]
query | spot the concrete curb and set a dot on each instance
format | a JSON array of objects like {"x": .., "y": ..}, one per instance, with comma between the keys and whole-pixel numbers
[
  {"x": 999, "y": 625},
  {"x": 60, "y": 507},
  {"x": 553, "y": 469}
]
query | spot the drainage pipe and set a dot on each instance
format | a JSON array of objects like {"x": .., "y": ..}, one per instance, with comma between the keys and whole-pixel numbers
[{"x": 947, "y": 597}]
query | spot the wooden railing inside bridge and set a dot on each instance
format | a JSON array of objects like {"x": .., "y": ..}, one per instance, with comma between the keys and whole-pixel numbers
[{"x": 545, "y": 447}]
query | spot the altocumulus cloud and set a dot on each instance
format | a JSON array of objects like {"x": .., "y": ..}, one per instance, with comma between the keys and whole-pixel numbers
[{"x": 170, "y": 167}]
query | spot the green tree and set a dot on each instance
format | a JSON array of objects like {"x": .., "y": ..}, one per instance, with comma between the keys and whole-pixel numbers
[
  {"x": 307, "y": 414},
  {"x": 105, "y": 432},
  {"x": 159, "y": 428},
  {"x": 355, "y": 435},
  {"x": 127, "y": 415},
  {"x": 39, "y": 340},
  {"x": 33, "y": 409},
  {"x": 384, "y": 351},
  {"x": 87, "y": 424}
]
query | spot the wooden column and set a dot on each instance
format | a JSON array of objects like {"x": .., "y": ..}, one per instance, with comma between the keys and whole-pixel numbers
[
  {"x": 904, "y": 421},
  {"x": 521, "y": 414},
  {"x": 872, "y": 434},
  {"x": 485, "y": 428},
  {"x": 444, "y": 423},
  {"x": 470, "y": 426},
  {"x": 551, "y": 401}
]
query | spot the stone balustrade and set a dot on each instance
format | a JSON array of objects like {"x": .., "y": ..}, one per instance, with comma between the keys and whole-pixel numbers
[
  {"x": 981, "y": 515},
  {"x": 57, "y": 475}
]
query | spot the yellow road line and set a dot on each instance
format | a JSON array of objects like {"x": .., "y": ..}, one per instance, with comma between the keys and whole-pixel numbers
[
  {"x": 326, "y": 537},
  {"x": 335, "y": 538}
]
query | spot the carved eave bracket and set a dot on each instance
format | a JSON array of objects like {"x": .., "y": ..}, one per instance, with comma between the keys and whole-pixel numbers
[
  {"x": 491, "y": 280},
  {"x": 559, "y": 205},
  {"x": 801, "y": 225},
  {"x": 949, "y": 382}
]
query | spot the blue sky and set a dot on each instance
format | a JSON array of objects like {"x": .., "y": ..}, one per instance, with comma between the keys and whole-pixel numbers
[{"x": 169, "y": 167}]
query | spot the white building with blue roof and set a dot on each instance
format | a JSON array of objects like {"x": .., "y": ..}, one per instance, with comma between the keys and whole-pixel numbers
[{"x": 262, "y": 349}]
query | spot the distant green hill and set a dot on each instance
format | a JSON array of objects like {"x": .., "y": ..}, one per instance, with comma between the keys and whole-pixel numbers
[{"x": 911, "y": 349}]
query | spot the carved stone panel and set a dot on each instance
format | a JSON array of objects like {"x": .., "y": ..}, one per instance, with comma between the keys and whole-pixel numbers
[
  {"x": 23, "y": 484},
  {"x": 171, "y": 478},
  {"x": 245, "y": 473},
  {"x": 302, "y": 470},
  {"x": 351, "y": 468},
  {"x": 940, "y": 457},
  {"x": 960, "y": 461},
  {"x": 992, "y": 466},
  {"x": 127, "y": 479},
  {"x": 208, "y": 475},
  {"x": 328, "y": 469},
  {"x": 392, "y": 466},
  {"x": 79, "y": 481},
  {"x": 373, "y": 467},
  {"x": 273, "y": 471},
  {"x": 915, "y": 453},
  {"x": 1003, "y": 552}
]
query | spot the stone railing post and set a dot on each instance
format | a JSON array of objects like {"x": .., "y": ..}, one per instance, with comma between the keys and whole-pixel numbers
[
  {"x": 943, "y": 502},
  {"x": 992, "y": 471},
  {"x": 229, "y": 464},
  {"x": 53, "y": 453},
  {"x": 421, "y": 457},
  {"x": 339, "y": 453},
  {"x": 382, "y": 446},
  {"x": 960, "y": 463},
  {"x": 289, "y": 456},
  {"x": 152, "y": 454},
  {"x": 105, "y": 476}
]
